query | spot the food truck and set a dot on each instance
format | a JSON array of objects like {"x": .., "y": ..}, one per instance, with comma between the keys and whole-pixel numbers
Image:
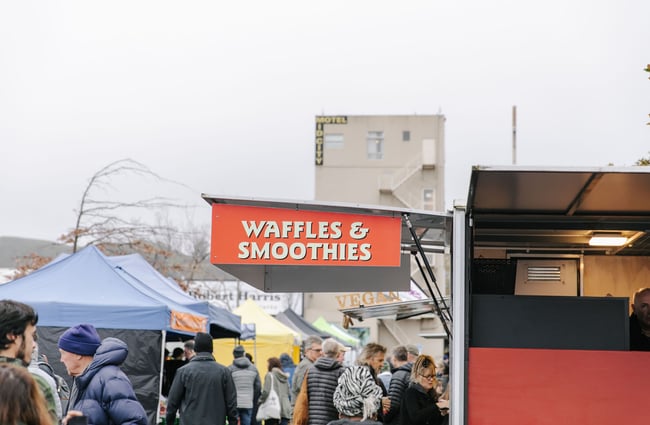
[{"x": 543, "y": 262}]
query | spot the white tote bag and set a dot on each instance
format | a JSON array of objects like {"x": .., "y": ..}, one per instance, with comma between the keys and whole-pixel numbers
[{"x": 270, "y": 409}]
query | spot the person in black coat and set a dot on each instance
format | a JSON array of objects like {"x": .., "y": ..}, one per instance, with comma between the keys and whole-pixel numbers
[
  {"x": 640, "y": 321},
  {"x": 420, "y": 404},
  {"x": 399, "y": 382}
]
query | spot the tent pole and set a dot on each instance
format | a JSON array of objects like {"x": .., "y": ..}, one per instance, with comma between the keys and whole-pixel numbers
[{"x": 162, "y": 369}]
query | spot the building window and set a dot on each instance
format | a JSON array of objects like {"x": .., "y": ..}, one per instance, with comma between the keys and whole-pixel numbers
[
  {"x": 406, "y": 136},
  {"x": 375, "y": 142},
  {"x": 427, "y": 199},
  {"x": 334, "y": 141}
]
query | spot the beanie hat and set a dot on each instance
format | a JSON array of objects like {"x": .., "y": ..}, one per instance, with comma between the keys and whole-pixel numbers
[
  {"x": 203, "y": 343},
  {"x": 238, "y": 351},
  {"x": 81, "y": 339},
  {"x": 357, "y": 393},
  {"x": 286, "y": 361}
]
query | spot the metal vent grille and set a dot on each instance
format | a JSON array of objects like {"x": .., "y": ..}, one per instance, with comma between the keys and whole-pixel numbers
[{"x": 543, "y": 273}]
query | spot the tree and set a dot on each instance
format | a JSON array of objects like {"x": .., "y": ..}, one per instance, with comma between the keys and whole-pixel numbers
[
  {"x": 101, "y": 219},
  {"x": 97, "y": 219},
  {"x": 643, "y": 161}
]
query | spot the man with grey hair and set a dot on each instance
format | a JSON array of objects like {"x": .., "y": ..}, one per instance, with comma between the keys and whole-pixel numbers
[
  {"x": 412, "y": 352},
  {"x": 401, "y": 374},
  {"x": 188, "y": 350},
  {"x": 312, "y": 351},
  {"x": 322, "y": 379}
]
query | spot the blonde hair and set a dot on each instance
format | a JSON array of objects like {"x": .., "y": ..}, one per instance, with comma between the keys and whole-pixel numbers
[
  {"x": 422, "y": 363},
  {"x": 370, "y": 350}
]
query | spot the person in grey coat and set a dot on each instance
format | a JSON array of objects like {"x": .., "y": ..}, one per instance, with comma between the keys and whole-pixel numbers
[
  {"x": 313, "y": 350},
  {"x": 280, "y": 382},
  {"x": 203, "y": 390},
  {"x": 322, "y": 379},
  {"x": 248, "y": 384}
]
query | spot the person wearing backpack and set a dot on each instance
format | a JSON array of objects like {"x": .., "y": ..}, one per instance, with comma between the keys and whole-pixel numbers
[
  {"x": 48, "y": 376},
  {"x": 62, "y": 389}
]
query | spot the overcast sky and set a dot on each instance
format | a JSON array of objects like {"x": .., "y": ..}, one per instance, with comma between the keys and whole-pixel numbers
[{"x": 221, "y": 96}]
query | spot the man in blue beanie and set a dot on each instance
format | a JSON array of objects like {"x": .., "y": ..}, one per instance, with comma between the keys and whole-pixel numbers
[{"x": 93, "y": 363}]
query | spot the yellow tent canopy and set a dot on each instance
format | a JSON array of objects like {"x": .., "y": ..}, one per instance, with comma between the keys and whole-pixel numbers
[{"x": 272, "y": 338}]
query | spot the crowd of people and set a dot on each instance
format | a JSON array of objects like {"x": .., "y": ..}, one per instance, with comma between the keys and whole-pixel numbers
[{"x": 320, "y": 390}]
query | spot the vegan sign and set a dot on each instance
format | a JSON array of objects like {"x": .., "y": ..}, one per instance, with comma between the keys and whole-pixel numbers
[{"x": 256, "y": 235}]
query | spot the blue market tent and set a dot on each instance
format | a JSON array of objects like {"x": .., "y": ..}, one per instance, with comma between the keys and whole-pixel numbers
[
  {"x": 85, "y": 288},
  {"x": 223, "y": 324}
]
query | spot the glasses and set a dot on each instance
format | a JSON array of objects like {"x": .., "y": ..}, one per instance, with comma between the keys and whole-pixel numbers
[
  {"x": 429, "y": 377},
  {"x": 318, "y": 350}
]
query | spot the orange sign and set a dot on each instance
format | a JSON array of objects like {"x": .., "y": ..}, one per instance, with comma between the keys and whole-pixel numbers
[{"x": 256, "y": 235}]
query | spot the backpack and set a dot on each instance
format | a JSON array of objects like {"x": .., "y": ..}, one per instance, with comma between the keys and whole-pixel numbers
[{"x": 62, "y": 388}]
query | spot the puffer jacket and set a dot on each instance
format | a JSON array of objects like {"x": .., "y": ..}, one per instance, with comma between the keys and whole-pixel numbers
[
  {"x": 247, "y": 381},
  {"x": 103, "y": 392},
  {"x": 322, "y": 379},
  {"x": 399, "y": 382},
  {"x": 281, "y": 387}
]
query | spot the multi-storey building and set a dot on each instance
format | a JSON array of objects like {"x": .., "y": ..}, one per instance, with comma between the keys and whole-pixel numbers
[{"x": 389, "y": 160}]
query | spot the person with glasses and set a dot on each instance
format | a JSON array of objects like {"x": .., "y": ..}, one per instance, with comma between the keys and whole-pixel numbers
[
  {"x": 420, "y": 404},
  {"x": 322, "y": 379},
  {"x": 313, "y": 350}
]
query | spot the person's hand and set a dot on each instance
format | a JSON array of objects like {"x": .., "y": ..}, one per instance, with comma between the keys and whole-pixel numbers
[
  {"x": 443, "y": 405},
  {"x": 385, "y": 404},
  {"x": 71, "y": 413}
]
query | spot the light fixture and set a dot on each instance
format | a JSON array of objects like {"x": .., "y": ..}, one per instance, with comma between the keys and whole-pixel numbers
[{"x": 607, "y": 239}]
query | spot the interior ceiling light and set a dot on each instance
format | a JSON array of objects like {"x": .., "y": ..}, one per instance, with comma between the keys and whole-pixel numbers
[{"x": 607, "y": 239}]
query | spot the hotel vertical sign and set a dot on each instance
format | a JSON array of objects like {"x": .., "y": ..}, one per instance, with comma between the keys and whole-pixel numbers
[{"x": 320, "y": 132}]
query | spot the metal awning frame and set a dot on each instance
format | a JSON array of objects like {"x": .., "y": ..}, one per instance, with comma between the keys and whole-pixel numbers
[{"x": 422, "y": 232}]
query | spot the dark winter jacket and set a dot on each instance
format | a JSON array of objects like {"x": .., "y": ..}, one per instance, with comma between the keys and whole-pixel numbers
[
  {"x": 247, "y": 381},
  {"x": 638, "y": 341},
  {"x": 281, "y": 387},
  {"x": 322, "y": 380},
  {"x": 419, "y": 407},
  {"x": 204, "y": 392},
  {"x": 399, "y": 382},
  {"x": 103, "y": 392}
]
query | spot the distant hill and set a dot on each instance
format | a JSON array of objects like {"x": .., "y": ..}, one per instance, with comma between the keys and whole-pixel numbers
[{"x": 13, "y": 248}]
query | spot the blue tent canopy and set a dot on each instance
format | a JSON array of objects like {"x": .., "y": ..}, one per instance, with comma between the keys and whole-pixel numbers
[
  {"x": 85, "y": 287},
  {"x": 223, "y": 324}
]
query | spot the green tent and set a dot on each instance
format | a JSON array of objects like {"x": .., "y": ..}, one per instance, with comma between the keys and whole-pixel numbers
[{"x": 323, "y": 325}]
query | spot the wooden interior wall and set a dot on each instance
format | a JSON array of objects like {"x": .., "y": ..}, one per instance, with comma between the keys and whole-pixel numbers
[{"x": 618, "y": 276}]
